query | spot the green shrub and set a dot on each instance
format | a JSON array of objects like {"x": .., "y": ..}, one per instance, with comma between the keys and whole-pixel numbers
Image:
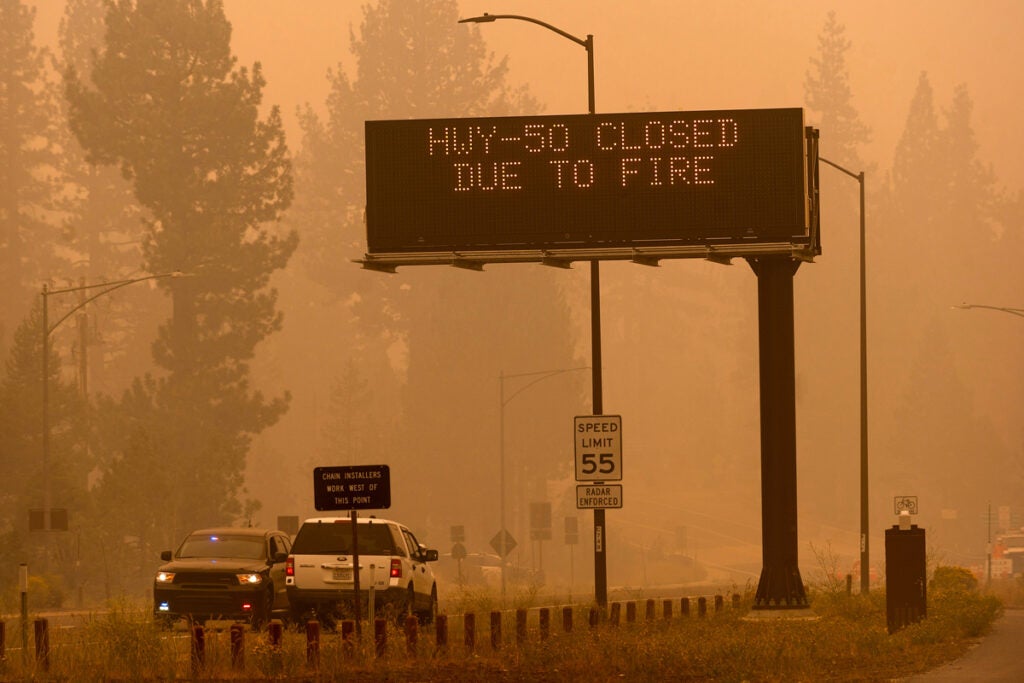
[
  {"x": 45, "y": 591},
  {"x": 952, "y": 580}
]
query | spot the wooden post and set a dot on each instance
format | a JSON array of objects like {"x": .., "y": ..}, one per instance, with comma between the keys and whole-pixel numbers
[
  {"x": 441, "y": 632},
  {"x": 198, "y": 648},
  {"x": 495, "y": 629},
  {"x": 380, "y": 636},
  {"x": 313, "y": 644},
  {"x": 469, "y": 631},
  {"x": 411, "y": 634},
  {"x": 42, "y": 632},
  {"x": 237, "y": 636},
  {"x": 520, "y": 626}
]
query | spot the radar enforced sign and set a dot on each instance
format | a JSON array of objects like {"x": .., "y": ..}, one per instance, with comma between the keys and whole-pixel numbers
[
  {"x": 361, "y": 487},
  {"x": 598, "y": 496}
]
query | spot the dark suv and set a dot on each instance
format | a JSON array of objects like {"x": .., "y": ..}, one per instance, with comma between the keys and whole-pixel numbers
[{"x": 223, "y": 573}]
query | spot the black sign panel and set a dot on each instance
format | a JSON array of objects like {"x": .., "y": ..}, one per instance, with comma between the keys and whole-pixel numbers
[
  {"x": 361, "y": 487},
  {"x": 586, "y": 181}
]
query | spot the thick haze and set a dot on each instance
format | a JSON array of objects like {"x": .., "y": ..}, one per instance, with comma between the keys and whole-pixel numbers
[{"x": 685, "y": 395}]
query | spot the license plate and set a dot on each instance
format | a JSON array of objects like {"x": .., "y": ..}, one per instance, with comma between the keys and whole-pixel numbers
[{"x": 342, "y": 573}]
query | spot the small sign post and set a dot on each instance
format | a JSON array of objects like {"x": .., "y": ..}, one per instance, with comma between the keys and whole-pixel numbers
[{"x": 359, "y": 487}]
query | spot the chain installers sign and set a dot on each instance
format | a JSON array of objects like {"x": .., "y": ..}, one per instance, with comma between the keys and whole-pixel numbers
[{"x": 359, "y": 487}]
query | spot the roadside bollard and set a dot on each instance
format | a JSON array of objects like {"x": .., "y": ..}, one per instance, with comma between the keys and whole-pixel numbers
[
  {"x": 411, "y": 634},
  {"x": 650, "y": 609},
  {"x": 42, "y": 644},
  {"x": 666, "y": 608},
  {"x": 23, "y": 589},
  {"x": 495, "y": 629},
  {"x": 719, "y": 603},
  {"x": 616, "y": 613},
  {"x": 735, "y": 600},
  {"x": 348, "y": 629},
  {"x": 469, "y": 631},
  {"x": 684, "y": 607},
  {"x": 275, "y": 629},
  {"x": 595, "y": 617},
  {"x": 630, "y": 612},
  {"x": 441, "y": 632},
  {"x": 237, "y": 647},
  {"x": 198, "y": 647},
  {"x": 380, "y": 636},
  {"x": 545, "y": 623},
  {"x": 520, "y": 626},
  {"x": 702, "y": 606},
  {"x": 567, "y": 619},
  {"x": 313, "y": 644}
]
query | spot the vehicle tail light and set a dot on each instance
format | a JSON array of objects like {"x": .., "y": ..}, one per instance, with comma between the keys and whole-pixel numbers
[
  {"x": 246, "y": 606},
  {"x": 289, "y": 566},
  {"x": 396, "y": 569}
]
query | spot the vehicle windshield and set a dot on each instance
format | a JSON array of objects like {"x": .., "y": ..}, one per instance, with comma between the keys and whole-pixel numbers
[
  {"x": 336, "y": 538},
  {"x": 222, "y": 545}
]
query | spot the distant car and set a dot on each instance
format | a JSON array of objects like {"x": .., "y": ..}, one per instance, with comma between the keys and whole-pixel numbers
[
  {"x": 223, "y": 573},
  {"x": 321, "y": 570}
]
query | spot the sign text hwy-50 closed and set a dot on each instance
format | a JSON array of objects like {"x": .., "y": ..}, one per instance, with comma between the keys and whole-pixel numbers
[{"x": 598, "y": 447}]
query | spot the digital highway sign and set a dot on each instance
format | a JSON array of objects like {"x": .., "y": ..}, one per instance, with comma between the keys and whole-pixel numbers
[{"x": 586, "y": 181}]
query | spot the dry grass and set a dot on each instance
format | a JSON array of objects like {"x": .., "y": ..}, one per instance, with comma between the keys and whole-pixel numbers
[{"x": 847, "y": 641}]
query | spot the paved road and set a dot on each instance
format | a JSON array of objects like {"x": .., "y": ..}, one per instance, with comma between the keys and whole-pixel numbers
[{"x": 998, "y": 657}]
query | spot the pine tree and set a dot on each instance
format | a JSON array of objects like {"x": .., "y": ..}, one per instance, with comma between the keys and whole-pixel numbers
[
  {"x": 21, "y": 427},
  {"x": 827, "y": 90},
  {"x": 166, "y": 102},
  {"x": 29, "y": 167},
  {"x": 105, "y": 226},
  {"x": 916, "y": 183}
]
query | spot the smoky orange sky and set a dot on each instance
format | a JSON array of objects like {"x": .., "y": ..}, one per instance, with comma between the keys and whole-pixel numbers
[{"x": 685, "y": 55}]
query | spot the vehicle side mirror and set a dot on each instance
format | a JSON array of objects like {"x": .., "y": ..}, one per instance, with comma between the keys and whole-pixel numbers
[
  {"x": 166, "y": 556},
  {"x": 279, "y": 556},
  {"x": 430, "y": 555}
]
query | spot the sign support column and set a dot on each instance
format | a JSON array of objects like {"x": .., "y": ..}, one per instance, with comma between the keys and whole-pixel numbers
[
  {"x": 780, "y": 585},
  {"x": 600, "y": 533}
]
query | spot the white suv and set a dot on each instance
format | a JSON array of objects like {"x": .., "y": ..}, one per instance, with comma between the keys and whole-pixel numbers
[{"x": 320, "y": 577}]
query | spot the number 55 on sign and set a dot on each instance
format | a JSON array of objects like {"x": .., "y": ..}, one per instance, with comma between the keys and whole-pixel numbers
[{"x": 598, "y": 447}]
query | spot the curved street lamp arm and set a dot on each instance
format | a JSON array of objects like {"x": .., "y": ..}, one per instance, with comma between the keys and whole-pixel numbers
[
  {"x": 110, "y": 287},
  {"x": 1004, "y": 309},
  {"x": 544, "y": 374},
  {"x": 858, "y": 176},
  {"x": 587, "y": 44},
  {"x": 491, "y": 17}
]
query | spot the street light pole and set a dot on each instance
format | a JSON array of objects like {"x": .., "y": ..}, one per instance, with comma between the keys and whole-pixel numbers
[
  {"x": 47, "y": 328},
  {"x": 539, "y": 377},
  {"x": 600, "y": 563},
  {"x": 865, "y": 573}
]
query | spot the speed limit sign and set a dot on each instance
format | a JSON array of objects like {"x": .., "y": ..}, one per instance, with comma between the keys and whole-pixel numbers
[{"x": 598, "y": 447}]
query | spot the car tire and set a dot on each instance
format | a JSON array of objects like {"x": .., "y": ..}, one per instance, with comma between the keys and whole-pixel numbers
[
  {"x": 261, "y": 615},
  {"x": 406, "y": 608},
  {"x": 426, "y": 617},
  {"x": 165, "y": 623}
]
